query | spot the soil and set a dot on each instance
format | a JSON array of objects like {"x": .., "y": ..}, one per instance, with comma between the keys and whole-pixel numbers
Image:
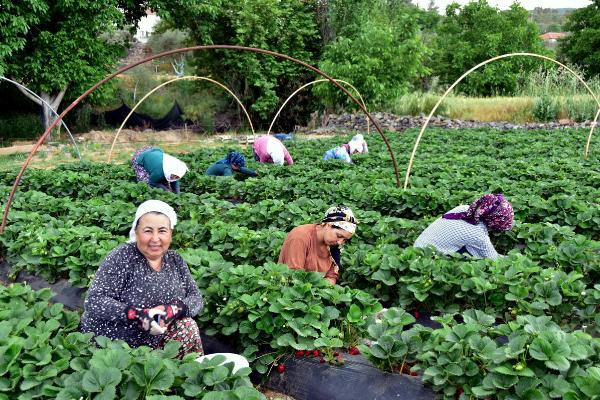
[
  {"x": 22, "y": 148},
  {"x": 273, "y": 395}
]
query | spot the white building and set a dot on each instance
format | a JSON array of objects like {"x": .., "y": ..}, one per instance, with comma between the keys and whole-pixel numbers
[{"x": 146, "y": 26}]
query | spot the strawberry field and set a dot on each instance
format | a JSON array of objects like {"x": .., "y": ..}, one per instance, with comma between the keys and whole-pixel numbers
[{"x": 525, "y": 326}]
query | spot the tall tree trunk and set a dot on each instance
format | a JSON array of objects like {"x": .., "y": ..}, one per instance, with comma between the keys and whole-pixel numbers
[{"x": 53, "y": 100}]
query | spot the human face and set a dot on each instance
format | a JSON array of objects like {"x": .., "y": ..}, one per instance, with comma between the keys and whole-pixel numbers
[
  {"x": 333, "y": 236},
  {"x": 153, "y": 235},
  {"x": 174, "y": 177}
]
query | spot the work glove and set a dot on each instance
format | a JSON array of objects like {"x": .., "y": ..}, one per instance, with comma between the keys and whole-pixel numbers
[
  {"x": 174, "y": 310},
  {"x": 148, "y": 319}
]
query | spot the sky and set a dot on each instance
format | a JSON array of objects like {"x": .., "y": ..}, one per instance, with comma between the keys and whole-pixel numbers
[{"x": 504, "y": 4}]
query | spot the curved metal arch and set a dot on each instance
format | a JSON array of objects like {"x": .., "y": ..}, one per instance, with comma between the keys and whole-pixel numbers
[
  {"x": 414, "y": 151},
  {"x": 312, "y": 83},
  {"x": 176, "y": 51},
  {"x": 51, "y": 109},
  {"x": 191, "y": 77}
]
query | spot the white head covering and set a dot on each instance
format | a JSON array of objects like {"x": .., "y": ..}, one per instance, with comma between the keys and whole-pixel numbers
[
  {"x": 356, "y": 143},
  {"x": 173, "y": 166},
  {"x": 152, "y": 206},
  {"x": 354, "y": 146},
  {"x": 275, "y": 150}
]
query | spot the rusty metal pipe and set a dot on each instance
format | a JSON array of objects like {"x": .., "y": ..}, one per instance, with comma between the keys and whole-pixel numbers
[{"x": 177, "y": 51}]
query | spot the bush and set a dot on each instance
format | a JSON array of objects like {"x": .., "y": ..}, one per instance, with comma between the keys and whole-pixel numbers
[
  {"x": 581, "y": 108},
  {"x": 545, "y": 108},
  {"x": 21, "y": 126}
]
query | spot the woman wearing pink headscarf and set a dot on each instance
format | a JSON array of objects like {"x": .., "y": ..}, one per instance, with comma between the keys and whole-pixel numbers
[
  {"x": 464, "y": 229},
  {"x": 269, "y": 149}
]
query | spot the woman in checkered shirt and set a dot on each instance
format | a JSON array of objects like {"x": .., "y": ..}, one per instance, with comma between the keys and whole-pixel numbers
[{"x": 464, "y": 229}]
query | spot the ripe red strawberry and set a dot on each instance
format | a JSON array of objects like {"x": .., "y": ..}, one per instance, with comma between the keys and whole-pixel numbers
[
  {"x": 335, "y": 354},
  {"x": 299, "y": 353},
  {"x": 460, "y": 391},
  {"x": 308, "y": 353},
  {"x": 417, "y": 314},
  {"x": 414, "y": 374},
  {"x": 281, "y": 368},
  {"x": 353, "y": 351},
  {"x": 322, "y": 360},
  {"x": 316, "y": 353}
]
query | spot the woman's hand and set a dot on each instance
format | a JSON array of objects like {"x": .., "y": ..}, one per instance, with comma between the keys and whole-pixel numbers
[
  {"x": 149, "y": 319},
  {"x": 174, "y": 310}
]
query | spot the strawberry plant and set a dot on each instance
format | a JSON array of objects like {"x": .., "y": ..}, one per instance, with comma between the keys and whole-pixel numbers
[{"x": 43, "y": 356}]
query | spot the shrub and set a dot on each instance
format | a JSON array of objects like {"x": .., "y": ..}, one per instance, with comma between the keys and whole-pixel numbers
[
  {"x": 581, "y": 108},
  {"x": 21, "y": 126},
  {"x": 545, "y": 108}
]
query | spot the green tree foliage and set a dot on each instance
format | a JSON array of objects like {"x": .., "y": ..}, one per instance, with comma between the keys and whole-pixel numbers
[
  {"x": 286, "y": 26},
  {"x": 582, "y": 46},
  {"x": 550, "y": 19},
  {"x": 378, "y": 49},
  {"x": 170, "y": 39},
  {"x": 15, "y": 19},
  {"x": 65, "y": 45},
  {"x": 477, "y": 32}
]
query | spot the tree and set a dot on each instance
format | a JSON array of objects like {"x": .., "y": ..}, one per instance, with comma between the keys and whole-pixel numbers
[
  {"x": 63, "y": 46},
  {"x": 378, "y": 49},
  {"x": 170, "y": 39},
  {"x": 582, "y": 46},
  {"x": 477, "y": 32},
  {"x": 286, "y": 26},
  {"x": 15, "y": 19}
]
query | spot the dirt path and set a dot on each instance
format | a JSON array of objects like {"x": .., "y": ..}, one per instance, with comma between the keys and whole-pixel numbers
[
  {"x": 95, "y": 145},
  {"x": 22, "y": 148}
]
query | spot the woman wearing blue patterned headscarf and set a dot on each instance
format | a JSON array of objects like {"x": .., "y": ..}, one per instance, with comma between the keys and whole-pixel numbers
[{"x": 234, "y": 162}]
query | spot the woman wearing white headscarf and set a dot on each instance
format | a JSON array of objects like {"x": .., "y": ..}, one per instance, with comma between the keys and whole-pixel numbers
[
  {"x": 316, "y": 247},
  {"x": 358, "y": 145},
  {"x": 158, "y": 169},
  {"x": 143, "y": 293}
]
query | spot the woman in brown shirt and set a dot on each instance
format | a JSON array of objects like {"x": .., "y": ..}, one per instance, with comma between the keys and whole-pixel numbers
[{"x": 315, "y": 247}]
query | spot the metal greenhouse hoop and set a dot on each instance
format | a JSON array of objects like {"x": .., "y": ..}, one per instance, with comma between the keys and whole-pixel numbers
[
  {"x": 414, "y": 151},
  {"x": 51, "y": 109},
  {"x": 191, "y": 77},
  {"x": 176, "y": 51},
  {"x": 312, "y": 83}
]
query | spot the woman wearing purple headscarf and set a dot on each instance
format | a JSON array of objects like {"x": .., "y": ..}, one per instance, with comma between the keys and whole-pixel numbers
[{"x": 464, "y": 229}]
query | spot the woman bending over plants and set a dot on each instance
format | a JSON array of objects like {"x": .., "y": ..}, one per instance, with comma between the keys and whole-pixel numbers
[
  {"x": 143, "y": 292},
  {"x": 268, "y": 149},
  {"x": 338, "y": 153},
  {"x": 234, "y": 162},
  {"x": 316, "y": 247},
  {"x": 464, "y": 229},
  {"x": 358, "y": 144},
  {"x": 152, "y": 166}
]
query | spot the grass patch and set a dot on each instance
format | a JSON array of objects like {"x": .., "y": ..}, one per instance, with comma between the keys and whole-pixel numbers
[{"x": 521, "y": 109}]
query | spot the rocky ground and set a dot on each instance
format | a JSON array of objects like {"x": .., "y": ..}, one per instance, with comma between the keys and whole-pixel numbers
[{"x": 391, "y": 122}]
